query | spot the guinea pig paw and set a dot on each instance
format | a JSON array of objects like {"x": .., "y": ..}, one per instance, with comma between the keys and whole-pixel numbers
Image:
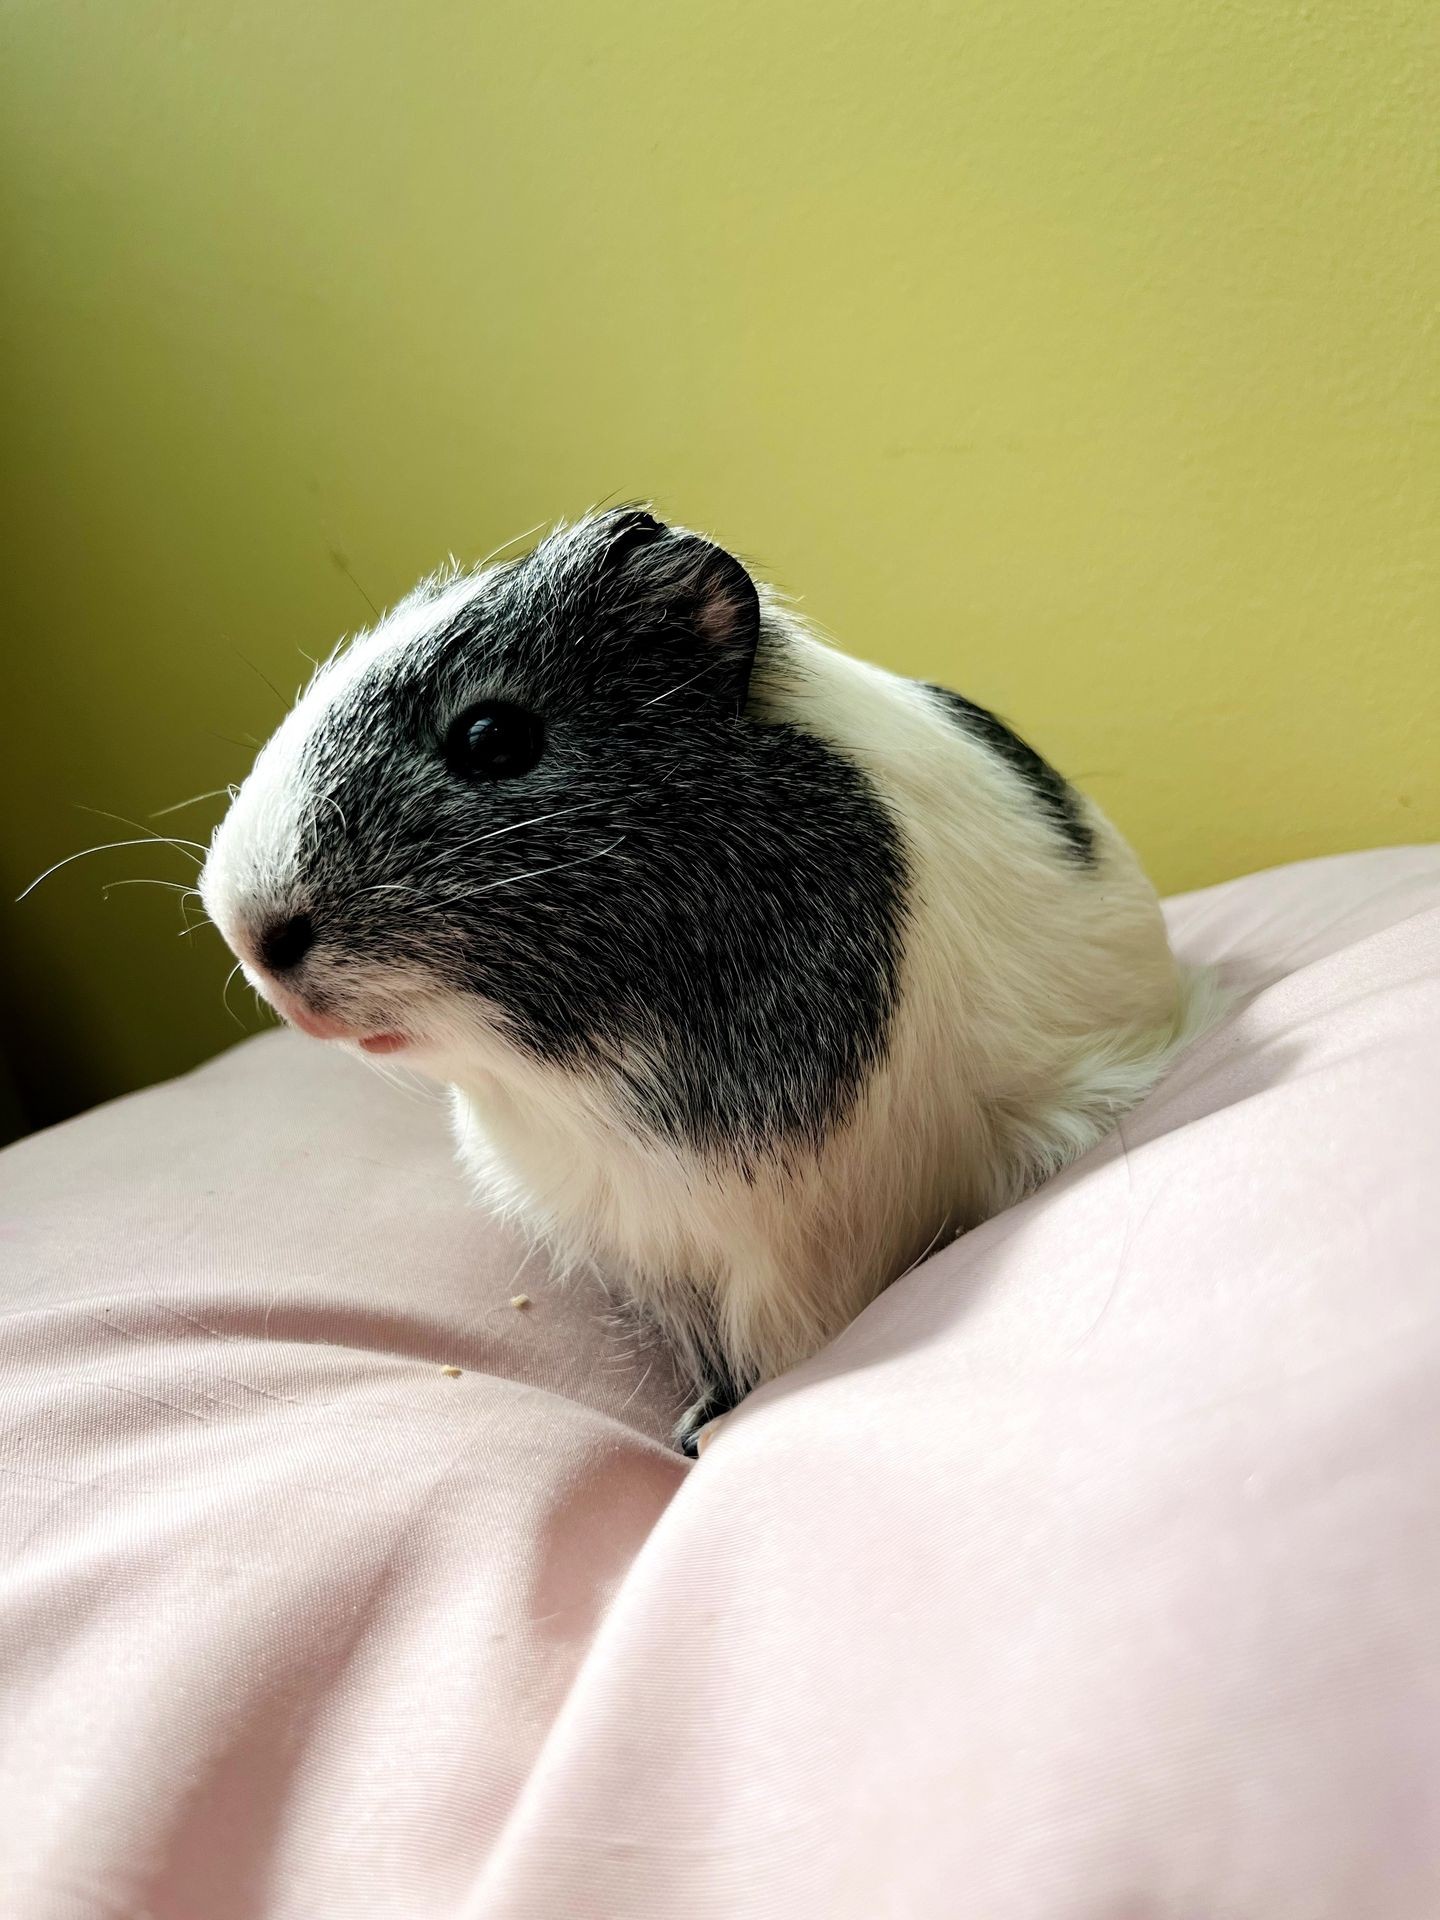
[
  {"x": 691, "y": 1431},
  {"x": 697, "y": 1425}
]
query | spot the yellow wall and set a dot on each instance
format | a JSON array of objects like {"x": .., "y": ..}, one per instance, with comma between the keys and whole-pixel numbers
[{"x": 1074, "y": 354}]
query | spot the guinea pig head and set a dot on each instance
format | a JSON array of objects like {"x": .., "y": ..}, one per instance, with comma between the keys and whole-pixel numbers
[{"x": 480, "y": 821}]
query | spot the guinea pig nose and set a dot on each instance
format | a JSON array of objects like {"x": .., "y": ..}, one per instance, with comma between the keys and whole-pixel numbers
[{"x": 284, "y": 943}]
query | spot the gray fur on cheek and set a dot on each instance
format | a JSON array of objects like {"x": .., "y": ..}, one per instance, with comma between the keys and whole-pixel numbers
[{"x": 706, "y": 911}]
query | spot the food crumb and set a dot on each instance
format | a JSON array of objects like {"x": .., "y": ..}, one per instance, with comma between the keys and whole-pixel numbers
[
  {"x": 451, "y": 1373},
  {"x": 519, "y": 1299}
]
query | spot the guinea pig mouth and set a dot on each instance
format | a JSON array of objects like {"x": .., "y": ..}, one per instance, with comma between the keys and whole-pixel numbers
[{"x": 324, "y": 1026}]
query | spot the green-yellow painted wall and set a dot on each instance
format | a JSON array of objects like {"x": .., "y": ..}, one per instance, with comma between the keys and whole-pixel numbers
[{"x": 1081, "y": 356}]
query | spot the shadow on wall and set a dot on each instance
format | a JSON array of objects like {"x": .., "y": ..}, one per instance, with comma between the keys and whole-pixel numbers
[
  {"x": 56, "y": 1056},
  {"x": 41, "y": 1080}
]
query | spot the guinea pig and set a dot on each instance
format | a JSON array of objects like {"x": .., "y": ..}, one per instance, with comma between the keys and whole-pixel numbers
[{"x": 755, "y": 971}]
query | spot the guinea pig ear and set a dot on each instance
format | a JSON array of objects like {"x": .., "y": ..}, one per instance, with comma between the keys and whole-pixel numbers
[
  {"x": 666, "y": 580},
  {"x": 613, "y": 536}
]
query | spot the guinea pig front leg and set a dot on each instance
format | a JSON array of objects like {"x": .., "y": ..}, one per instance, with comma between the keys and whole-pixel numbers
[{"x": 718, "y": 1394}]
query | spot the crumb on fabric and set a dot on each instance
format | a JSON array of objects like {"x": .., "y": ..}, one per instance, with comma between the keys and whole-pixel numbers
[
  {"x": 520, "y": 1300},
  {"x": 451, "y": 1373}
]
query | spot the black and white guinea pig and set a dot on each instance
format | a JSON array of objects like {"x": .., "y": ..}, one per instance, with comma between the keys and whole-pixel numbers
[{"x": 754, "y": 970}]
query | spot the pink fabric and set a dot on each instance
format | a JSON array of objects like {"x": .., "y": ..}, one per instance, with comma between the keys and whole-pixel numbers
[{"x": 1094, "y": 1572}]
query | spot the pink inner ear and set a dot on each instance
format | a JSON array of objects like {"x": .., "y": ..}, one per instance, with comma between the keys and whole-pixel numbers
[{"x": 718, "y": 613}]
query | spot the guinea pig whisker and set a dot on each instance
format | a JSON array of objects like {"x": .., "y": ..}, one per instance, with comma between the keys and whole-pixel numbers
[
  {"x": 194, "y": 926},
  {"x": 342, "y": 565},
  {"x": 386, "y": 886},
  {"x": 263, "y": 1007},
  {"x": 535, "y": 873},
  {"x": 709, "y": 667},
  {"x": 225, "y": 994},
  {"x": 173, "y": 886},
  {"x": 331, "y": 801},
  {"x": 109, "y": 847},
  {"x": 261, "y": 674},
  {"x": 170, "y": 839},
  {"x": 536, "y": 820},
  {"x": 186, "y": 894},
  {"x": 414, "y": 1090},
  {"x": 189, "y": 894},
  {"x": 514, "y": 541},
  {"x": 194, "y": 800}
]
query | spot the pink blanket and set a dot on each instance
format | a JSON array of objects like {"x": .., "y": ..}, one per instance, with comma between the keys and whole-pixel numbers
[{"x": 1094, "y": 1572}]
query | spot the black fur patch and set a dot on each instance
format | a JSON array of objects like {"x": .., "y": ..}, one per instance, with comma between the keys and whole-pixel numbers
[
  {"x": 703, "y": 907},
  {"x": 1054, "y": 795}
]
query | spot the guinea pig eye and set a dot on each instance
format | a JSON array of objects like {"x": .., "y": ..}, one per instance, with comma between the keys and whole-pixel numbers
[{"x": 493, "y": 741}]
